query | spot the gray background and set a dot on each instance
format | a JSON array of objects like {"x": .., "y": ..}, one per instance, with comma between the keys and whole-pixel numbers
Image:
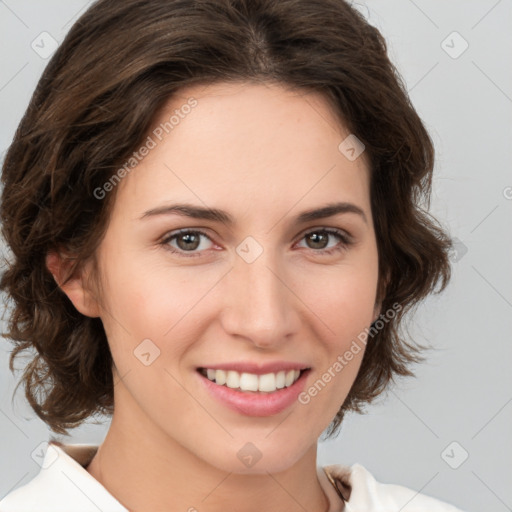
[{"x": 463, "y": 393}]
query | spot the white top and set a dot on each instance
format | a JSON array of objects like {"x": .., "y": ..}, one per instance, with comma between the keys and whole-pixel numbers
[{"x": 63, "y": 484}]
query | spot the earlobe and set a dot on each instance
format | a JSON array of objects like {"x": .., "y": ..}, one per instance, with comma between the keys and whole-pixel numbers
[
  {"x": 376, "y": 312},
  {"x": 381, "y": 294},
  {"x": 81, "y": 297}
]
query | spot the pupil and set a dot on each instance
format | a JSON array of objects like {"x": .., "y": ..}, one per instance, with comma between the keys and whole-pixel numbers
[
  {"x": 188, "y": 239},
  {"x": 316, "y": 237}
]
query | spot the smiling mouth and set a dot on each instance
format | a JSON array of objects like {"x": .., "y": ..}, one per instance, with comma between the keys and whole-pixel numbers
[{"x": 253, "y": 383}]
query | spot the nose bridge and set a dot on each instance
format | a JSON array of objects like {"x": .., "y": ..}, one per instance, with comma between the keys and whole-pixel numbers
[{"x": 260, "y": 304}]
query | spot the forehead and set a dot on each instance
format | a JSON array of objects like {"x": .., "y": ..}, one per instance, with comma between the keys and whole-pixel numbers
[{"x": 248, "y": 144}]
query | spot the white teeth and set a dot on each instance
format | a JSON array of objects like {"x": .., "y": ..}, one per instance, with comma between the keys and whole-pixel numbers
[
  {"x": 267, "y": 382},
  {"x": 233, "y": 380},
  {"x": 280, "y": 379},
  {"x": 220, "y": 377},
  {"x": 250, "y": 382},
  {"x": 290, "y": 377}
]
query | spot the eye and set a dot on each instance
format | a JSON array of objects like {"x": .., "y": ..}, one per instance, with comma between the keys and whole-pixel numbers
[
  {"x": 187, "y": 241},
  {"x": 319, "y": 239}
]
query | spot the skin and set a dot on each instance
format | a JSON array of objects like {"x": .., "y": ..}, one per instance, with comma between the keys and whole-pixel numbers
[{"x": 264, "y": 154}]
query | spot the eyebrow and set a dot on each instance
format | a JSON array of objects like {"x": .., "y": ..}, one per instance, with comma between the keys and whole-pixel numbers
[{"x": 214, "y": 214}]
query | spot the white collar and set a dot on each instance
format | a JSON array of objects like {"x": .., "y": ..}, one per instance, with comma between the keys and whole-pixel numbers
[{"x": 63, "y": 482}]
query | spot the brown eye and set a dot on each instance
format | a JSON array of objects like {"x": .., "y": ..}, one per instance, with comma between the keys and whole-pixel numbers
[
  {"x": 187, "y": 241},
  {"x": 318, "y": 240}
]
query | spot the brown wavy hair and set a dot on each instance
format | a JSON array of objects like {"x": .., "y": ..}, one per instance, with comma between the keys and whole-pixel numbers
[{"x": 93, "y": 106}]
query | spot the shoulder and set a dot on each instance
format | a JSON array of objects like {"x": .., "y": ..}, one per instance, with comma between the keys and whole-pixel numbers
[
  {"x": 366, "y": 493},
  {"x": 62, "y": 482}
]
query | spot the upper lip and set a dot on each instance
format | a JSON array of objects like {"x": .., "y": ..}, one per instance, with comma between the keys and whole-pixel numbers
[{"x": 258, "y": 369}]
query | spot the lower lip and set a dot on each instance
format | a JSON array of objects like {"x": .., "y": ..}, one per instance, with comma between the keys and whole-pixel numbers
[{"x": 255, "y": 403}]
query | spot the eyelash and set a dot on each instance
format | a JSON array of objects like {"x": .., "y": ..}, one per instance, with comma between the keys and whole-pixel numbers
[{"x": 345, "y": 241}]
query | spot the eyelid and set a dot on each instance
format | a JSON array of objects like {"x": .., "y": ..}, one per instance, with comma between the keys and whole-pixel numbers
[
  {"x": 346, "y": 240},
  {"x": 329, "y": 229},
  {"x": 166, "y": 239}
]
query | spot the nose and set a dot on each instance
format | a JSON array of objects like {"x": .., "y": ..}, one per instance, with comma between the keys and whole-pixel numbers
[{"x": 260, "y": 305}]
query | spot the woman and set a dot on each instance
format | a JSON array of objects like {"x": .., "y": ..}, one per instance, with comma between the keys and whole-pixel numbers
[{"x": 214, "y": 211}]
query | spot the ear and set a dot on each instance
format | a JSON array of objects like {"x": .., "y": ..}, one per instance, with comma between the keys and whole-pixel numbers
[
  {"x": 376, "y": 312},
  {"x": 381, "y": 294},
  {"x": 82, "y": 297}
]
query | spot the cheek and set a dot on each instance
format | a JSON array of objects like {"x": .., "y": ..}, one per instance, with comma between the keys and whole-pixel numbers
[
  {"x": 341, "y": 302},
  {"x": 140, "y": 296},
  {"x": 162, "y": 305},
  {"x": 343, "y": 299},
  {"x": 345, "y": 314}
]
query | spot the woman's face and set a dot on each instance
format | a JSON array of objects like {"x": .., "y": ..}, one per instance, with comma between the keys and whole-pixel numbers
[{"x": 266, "y": 287}]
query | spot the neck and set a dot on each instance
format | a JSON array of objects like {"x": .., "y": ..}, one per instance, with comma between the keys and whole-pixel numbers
[{"x": 145, "y": 469}]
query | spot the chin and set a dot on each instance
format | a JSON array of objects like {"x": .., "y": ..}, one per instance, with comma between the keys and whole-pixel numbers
[{"x": 246, "y": 457}]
